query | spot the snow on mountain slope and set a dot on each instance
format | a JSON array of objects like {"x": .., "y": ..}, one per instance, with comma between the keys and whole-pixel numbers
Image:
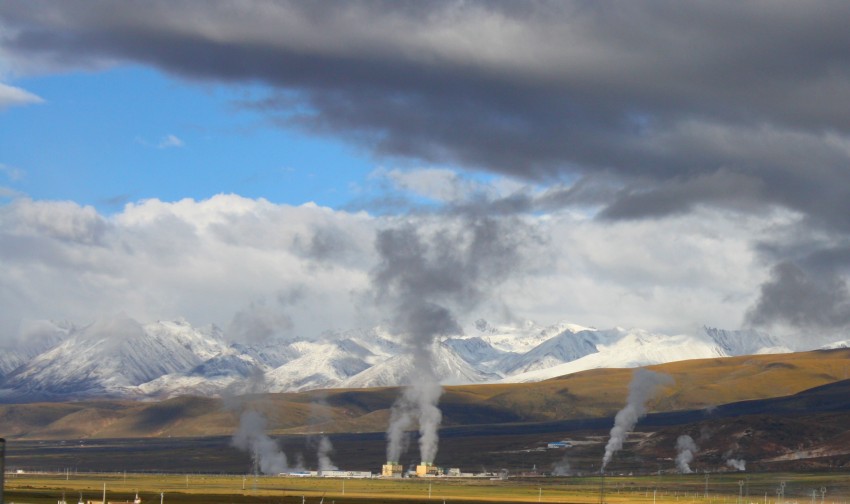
[
  {"x": 628, "y": 349},
  {"x": 121, "y": 358},
  {"x": 399, "y": 370},
  {"x": 567, "y": 346},
  {"x": 271, "y": 353},
  {"x": 520, "y": 339},
  {"x": 321, "y": 365},
  {"x": 744, "y": 342},
  {"x": 378, "y": 341},
  {"x": 271, "y": 366},
  {"x": 836, "y": 345},
  {"x": 113, "y": 356},
  {"x": 38, "y": 337},
  {"x": 476, "y": 350}
]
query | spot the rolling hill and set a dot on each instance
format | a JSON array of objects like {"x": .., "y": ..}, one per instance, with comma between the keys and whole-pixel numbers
[{"x": 699, "y": 385}]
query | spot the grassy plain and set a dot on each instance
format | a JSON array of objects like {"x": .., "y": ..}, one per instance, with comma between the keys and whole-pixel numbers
[{"x": 234, "y": 489}]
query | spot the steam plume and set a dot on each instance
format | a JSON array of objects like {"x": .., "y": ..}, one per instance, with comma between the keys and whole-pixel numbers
[
  {"x": 739, "y": 464},
  {"x": 562, "y": 467},
  {"x": 323, "y": 454},
  {"x": 419, "y": 400},
  {"x": 686, "y": 449},
  {"x": 420, "y": 276},
  {"x": 251, "y": 436},
  {"x": 643, "y": 385},
  {"x": 320, "y": 413},
  {"x": 400, "y": 421}
]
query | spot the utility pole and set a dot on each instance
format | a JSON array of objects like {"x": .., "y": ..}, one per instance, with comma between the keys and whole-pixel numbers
[
  {"x": 602, "y": 487},
  {"x": 2, "y": 467}
]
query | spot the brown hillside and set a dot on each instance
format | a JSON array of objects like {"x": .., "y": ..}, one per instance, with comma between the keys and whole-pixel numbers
[{"x": 698, "y": 384}]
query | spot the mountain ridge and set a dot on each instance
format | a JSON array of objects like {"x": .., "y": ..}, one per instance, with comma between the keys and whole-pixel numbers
[{"x": 121, "y": 358}]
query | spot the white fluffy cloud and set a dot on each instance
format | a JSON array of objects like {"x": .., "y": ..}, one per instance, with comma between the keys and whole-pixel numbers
[{"x": 306, "y": 267}]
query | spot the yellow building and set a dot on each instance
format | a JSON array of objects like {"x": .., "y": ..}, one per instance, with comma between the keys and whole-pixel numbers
[
  {"x": 391, "y": 470},
  {"x": 427, "y": 469}
]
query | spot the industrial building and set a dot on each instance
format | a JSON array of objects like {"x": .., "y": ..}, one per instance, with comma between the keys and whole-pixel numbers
[
  {"x": 392, "y": 470},
  {"x": 428, "y": 469}
]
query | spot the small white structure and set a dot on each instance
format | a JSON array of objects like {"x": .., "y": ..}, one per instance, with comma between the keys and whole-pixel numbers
[
  {"x": 345, "y": 474},
  {"x": 298, "y": 474}
]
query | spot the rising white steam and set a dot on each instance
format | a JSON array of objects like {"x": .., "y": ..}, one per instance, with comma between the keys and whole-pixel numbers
[
  {"x": 251, "y": 436},
  {"x": 562, "y": 467},
  {"x": 422, "y": 279},
  {"x": 418, "y": 401},
  {"x": 738, "y": 464},
  {"x": 686, "y": 448},
  {"x": 323, "y": 454},
  {"x": 642, "y": 387}
]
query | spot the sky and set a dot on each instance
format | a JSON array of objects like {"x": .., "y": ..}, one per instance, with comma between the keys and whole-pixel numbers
[{"x": 306, "y": 168}]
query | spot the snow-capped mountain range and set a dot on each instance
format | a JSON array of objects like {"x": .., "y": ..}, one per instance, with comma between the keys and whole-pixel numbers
[{"x": 120, "y": 357}]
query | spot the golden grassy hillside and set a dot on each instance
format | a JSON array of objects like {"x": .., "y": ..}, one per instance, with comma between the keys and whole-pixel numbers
[{"x": 595, "y": 393}]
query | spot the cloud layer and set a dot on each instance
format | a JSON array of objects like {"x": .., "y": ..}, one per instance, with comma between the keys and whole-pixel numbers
[
  {"x": 655, "y": 114},
  {"x": 258, "y": 269}
]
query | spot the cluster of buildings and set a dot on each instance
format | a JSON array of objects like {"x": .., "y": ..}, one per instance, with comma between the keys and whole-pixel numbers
[
  {"x": 389, "y": 470},
  {"x": 393, "y": 469}
]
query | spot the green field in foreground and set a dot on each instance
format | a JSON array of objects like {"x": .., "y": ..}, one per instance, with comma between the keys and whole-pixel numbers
[{"x": 234, "y": 489}]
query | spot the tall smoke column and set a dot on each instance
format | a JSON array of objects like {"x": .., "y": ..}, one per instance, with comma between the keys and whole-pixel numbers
[
  {"x": 419, "y": 400},
  {"x": 642, "y": 387},
  {"x": 685, "y": 451},
  {"x": 422, "y": 271},
  {"x": 400, "y": 420},
  {"x": 251, "y": 436}
]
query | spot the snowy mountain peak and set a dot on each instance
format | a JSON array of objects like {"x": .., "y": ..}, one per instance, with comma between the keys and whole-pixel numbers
[
  {"x": 744, "y": 342},
  {"x": 119, "y": 357}
]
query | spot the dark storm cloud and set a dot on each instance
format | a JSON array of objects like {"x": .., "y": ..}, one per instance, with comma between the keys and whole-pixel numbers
[
  {"x": 655, "y": 108},
  {"x": 661, "y": 95},
  {"x": 803, "y": 301},
  {"x": 452, "y": 266}
]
